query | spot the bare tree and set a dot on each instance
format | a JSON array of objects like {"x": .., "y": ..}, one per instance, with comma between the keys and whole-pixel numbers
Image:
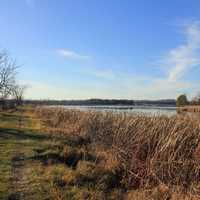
[
  {"x": 8, "y": 71},
  {"x": 18, "y": 93},
  {"x": 196, "y": 99}
]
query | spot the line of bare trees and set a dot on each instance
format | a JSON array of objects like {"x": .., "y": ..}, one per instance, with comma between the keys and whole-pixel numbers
[
  {"x": 11, "y": 92},
  {"x": 196, "y": 100},
  {"x": 183, "y": 101}
]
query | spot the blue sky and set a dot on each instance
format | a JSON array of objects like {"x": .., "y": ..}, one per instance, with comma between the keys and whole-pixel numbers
[{"x": 77, "y": 49}]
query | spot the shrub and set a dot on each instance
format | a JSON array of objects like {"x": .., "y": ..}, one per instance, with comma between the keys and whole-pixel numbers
[{"x": 181, "y": 100}]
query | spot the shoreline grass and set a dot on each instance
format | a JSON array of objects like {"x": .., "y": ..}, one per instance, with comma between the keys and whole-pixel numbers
[
  {"x": 141, "y": 152},
  {"x": 71, "y": 154},
  {"x": 189, "y": 109}
]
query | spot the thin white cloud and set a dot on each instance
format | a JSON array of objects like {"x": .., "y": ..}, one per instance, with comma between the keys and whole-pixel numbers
[
  {"x": 120, "y": 84},
  {"x": 131, "y": 89},
  {"x": 187, "y": 55},
  {"x": 41, "y": 90},
  {"x": 137, "y": 87},
  {"x": 105, "y": 73},
  {"x": 71, "y": 54}
]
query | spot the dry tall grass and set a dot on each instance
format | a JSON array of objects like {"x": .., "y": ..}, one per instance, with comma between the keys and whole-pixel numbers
[
  {"x": 189, "y": 109},
  {"x": 146, "y": 151}
]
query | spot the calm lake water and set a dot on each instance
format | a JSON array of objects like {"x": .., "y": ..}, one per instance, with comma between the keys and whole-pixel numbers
[{"x": 149, "y": 110}]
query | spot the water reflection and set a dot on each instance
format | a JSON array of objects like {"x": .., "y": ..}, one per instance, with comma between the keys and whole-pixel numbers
[{"x": 150, "y": 110}]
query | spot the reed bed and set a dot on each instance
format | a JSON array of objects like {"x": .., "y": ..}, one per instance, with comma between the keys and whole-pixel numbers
[
  {"x": 189, "y": 109},
  {"x": 146, "y": 151}
]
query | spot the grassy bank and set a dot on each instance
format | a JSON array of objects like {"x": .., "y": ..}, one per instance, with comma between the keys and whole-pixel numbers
[
  {"x": 20, "y": 173},
  {"x": 65, "y": 154},
  {"x": 23, "y": 174}
]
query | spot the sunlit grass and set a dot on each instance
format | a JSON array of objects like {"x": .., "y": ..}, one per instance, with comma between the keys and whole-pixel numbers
[
  {"x": 5, "y": 166},
  {"x": 18, "y": 137},
  {"x": 134, "y": 152},
  {"x": 91, "y": 155}
]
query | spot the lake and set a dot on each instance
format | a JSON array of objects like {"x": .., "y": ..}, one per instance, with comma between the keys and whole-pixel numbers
[{"x": 149, "y": 110}]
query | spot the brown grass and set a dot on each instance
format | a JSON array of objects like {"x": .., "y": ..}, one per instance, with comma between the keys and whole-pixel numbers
[
  {"x": 144, "y": 152},
  {"x": 190, "y": 109}
]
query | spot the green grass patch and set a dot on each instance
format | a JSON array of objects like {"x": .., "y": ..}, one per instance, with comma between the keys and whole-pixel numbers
[{"x": 6, "y": 149}]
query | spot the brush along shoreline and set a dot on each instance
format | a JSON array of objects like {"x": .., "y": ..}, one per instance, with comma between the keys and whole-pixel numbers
[
  {"x": 138, "y": 152},
  {"x": 189, "y": 109}
]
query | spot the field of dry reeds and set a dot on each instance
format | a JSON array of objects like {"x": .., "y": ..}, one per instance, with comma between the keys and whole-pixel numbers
[
  {"x": 189, "y": 109},
  {"x": 148, "y": 157}
]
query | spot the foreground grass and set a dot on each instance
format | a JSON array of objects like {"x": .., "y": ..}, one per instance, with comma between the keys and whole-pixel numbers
[
  {"x": 43, "y": 166},
  {"x": 72, "y": 155},
  {"x": 5, "y": 166},
  {"x": 20, "y": 175},
  {"x": 136, "y": 156}
]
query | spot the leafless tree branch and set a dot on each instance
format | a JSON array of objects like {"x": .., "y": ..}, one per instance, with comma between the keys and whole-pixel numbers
[{"x": 8, "y": 71}]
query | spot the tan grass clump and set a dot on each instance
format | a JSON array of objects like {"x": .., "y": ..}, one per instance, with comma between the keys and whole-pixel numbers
[{"x": 149, "y": 151}]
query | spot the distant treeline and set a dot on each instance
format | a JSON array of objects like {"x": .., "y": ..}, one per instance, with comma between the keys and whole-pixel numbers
[{"x": 98, "y": 102}]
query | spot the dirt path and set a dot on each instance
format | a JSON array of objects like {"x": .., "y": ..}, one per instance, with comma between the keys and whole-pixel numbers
[
  {"x": 25, "y": 182},
  {"x": 21, "y": 176},
  {"x": 19, "y": 183}
]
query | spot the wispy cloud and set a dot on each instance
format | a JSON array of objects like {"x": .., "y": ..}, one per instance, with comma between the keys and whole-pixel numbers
[
  {"x": 102, "y": 73},
  {"x": 187, "y": 55},
  {"x": 41, "y": 90},
  {"x": 72, "y": 54},
  {"x": 110, "y": 82}
]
